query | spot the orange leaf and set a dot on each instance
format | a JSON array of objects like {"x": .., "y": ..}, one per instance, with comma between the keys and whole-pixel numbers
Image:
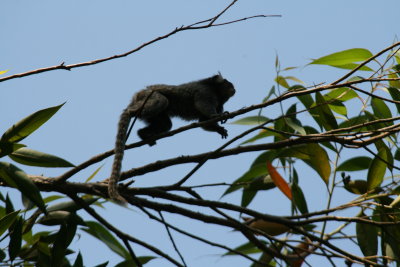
[{"x": 279, "y": 181}]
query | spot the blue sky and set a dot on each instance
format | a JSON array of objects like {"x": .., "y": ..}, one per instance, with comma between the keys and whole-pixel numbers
[{"x": 38, "y": 34}]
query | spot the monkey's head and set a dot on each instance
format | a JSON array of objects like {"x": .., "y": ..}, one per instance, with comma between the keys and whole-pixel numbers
[{"x": 224, "y": 88}]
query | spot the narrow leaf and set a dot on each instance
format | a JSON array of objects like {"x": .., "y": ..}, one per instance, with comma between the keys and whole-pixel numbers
[
  {"x": 101, "y": 233},
  {"x": 28, "y": 125},
  {"x": 325, "y": 114},
  {"x": 344, "y": 57},
  {"x": 15, "y": 177},
  {"x": 377, "y": 169},
  {"x": 299, "y": 199},
  {"x": 252, "y": 120},
  {"x": 7, "y": 220},
  {"x": 94, "y": 174},
  {"x": 14, "y": 246},
  {"x": 355, "y": 164},
  {"x": 367, "y": 238},
  {"x": 3, "y": 71},
  {"x": 395, "y": 93},
  {"x": 279, "y": 181},
  {"x": 32, "y": 157}
]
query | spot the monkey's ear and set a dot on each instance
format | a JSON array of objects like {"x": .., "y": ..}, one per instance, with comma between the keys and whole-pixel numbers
[{"x": 218, "y": 78}]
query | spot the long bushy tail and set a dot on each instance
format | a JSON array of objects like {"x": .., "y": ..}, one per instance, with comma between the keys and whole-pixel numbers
[{"x": 119, "y": 154}]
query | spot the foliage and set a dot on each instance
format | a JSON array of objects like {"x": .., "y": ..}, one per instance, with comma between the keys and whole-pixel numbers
[{"x": 321, "y": 127}]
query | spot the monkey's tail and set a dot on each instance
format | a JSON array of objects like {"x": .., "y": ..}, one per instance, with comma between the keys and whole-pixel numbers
[{"x": 119, "y": 154}]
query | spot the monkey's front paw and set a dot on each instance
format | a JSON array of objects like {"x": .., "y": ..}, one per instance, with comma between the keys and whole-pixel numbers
[
  {"x": 223, "y": 132},
  {"x": 224, "y": 120}
]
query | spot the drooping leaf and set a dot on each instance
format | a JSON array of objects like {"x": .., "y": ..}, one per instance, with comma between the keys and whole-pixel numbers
[
  {"x": 63, "y": 239},
  {"x": 252, "y": 120},
  {"x": 257, "y": 169},
  {"x": 377, "y": 170},
  {"x": 15, "y": 177},
  {"x": 395, "y": 93},
  {"x": 28, "y": 125},
  {"x": 7, "y": 220},
  {"x": 367, "y": 238},
  {"x": 298, "y": 199},
  {"x": 355, "y": 164},
  {"x": 15, "y": 238},
  {"x": 319, "y": 161},
  {"x": 101, "y": 233},
  {"x": 279, "y": 181},
  {"x": 32, "y": 157},
  {"x": 323, "y": 113},
  {"x": 344, "y": 57},
  {"x": 381, "y": 110}
]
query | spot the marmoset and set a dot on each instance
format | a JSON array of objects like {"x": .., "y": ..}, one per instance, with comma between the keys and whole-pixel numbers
[{"x": 199, "y": 100}]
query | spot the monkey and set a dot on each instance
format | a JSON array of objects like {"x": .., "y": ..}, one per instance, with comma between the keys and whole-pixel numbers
[{"x": 155, "y": 105}]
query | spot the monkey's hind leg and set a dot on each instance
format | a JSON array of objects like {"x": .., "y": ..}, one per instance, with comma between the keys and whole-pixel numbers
[{"x": 156, "y": 125}]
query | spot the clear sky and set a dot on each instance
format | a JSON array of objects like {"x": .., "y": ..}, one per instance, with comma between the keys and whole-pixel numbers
[{"x": 36, "y": 34}]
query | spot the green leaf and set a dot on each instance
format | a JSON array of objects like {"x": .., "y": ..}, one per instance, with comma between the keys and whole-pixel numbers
[
  {"x": 15, "y": 177},
  {"x": 395, "y": 93},
  {"x": 367, "y": 238},
  {"x": 298, "y": 199},
  {"x": 131, "y": 263},
  {"x": 246, "y": 248},
  {"x": 252, "y": 120},
  {"x": 32, "y": 157},
  {"x": 254, "y": 172},
  {"x": 7, "y": 220},
  {"x": 355, "y": 164},
  {"x": 338, "y": 107},
  {"x": 344, "y": 57},
  {"x": 78, "y": 261},
  {"x": 101, "y": 233},
  {"x": 355, "y": 121},
  {"x": 60, "y": 217},
  {"x": 295, "y": 125},
  {"x": 380, "y": 109},
  {"x": 282, "y": 81},
  {"x": 28, "y": 125},
  {"x": 94, "y": 174},
  {"x": 342, "y": 94},
  {"x": 14, "y": 246},
  {"x": 377, "y": 169},
  {"x": 352, "y": 66},
  {"x": 70, "y": 205},
  {"x": 63, "y": 239},
  {"x": 319, "y": 161},
  {"x": 324, "y": 113},
  {"x": 7, "y": 148},
  {"x": 312, "y": 154},
  {"x": 394, "y": 83}
]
